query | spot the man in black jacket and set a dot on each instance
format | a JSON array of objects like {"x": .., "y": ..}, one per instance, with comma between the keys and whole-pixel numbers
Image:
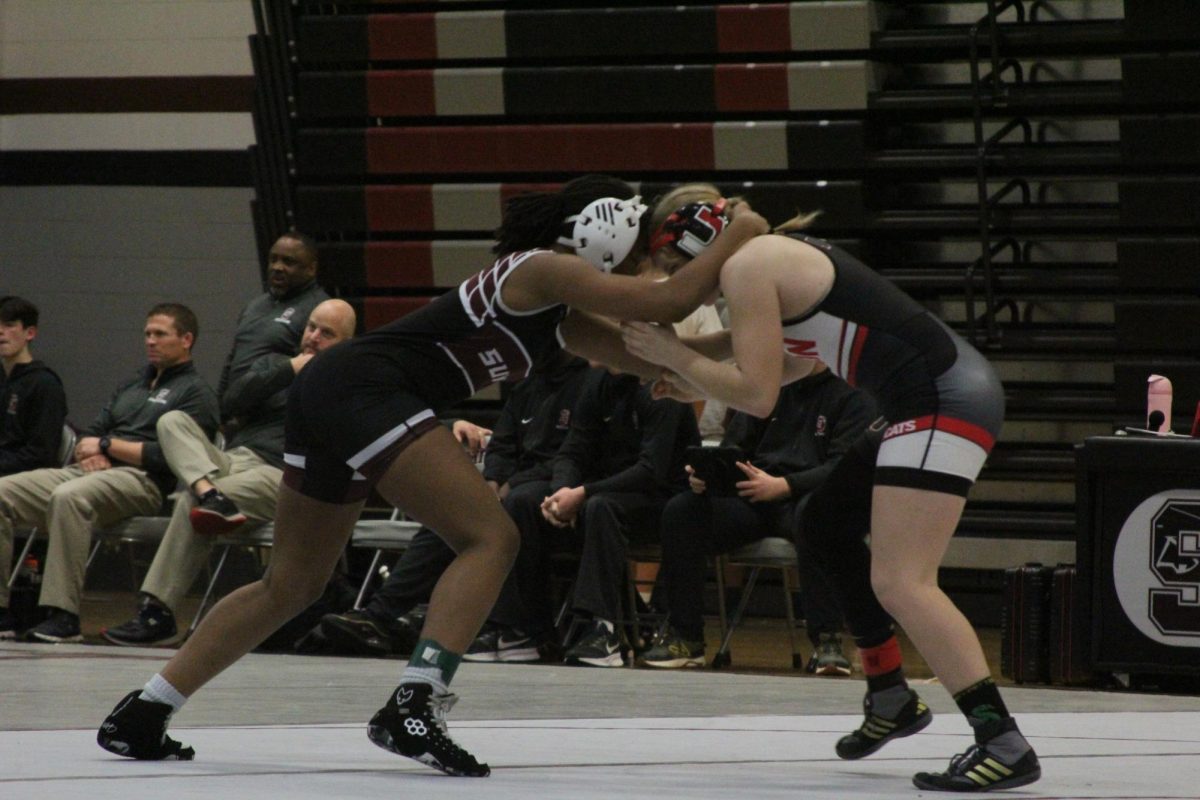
[
  {"x": 33, "y": 405},
  {"x": 621, "y": 462},
  {"x": 247, "y": 473},
  {"x": 120, "y": 469},
  {"x": 789, "y": 454}
]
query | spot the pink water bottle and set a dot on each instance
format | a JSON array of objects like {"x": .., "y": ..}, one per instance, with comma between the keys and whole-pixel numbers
[{"x": 1158, "y": 404}]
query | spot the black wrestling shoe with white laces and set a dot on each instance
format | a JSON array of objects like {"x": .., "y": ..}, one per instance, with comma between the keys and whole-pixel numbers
[
  {"x": 876, "y": 731},
  {"x": 413, "y": 724},
  {"x": 982, "y": 768},
  {"x": 137, "y": 728}
]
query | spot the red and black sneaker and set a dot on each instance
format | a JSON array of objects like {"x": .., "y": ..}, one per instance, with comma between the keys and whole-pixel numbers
[{"x": 215, "y": 514}]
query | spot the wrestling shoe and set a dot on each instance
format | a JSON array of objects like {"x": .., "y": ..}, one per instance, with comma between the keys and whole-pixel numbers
[
  {"x": 982, "y": 767},
  {"x": 413, "y": 724},
  {"x": 827, "y": 657},
  {"x": 137, "y": 728},
  {"x": 215, "y": 514},
  {"x": 673, "y": 651},
  {"x": 601, "y": 647},
  {"x": 876, "y": 731}
]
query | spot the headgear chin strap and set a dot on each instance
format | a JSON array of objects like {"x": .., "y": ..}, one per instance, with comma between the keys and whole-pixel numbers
[
  {"x": 691, "y": 229},
  {"x": 605, "y": 230}
]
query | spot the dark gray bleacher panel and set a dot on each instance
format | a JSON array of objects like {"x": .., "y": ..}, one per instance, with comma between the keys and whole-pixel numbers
[
  {"x": 1160, "y": 263},
  {"x": 1161, "y": 325},
  {"x": 1162, "y": 202}
]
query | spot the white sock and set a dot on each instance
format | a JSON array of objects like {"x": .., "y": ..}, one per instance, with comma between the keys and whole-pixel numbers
[
  {"x": 430, "y": 675},
  {"x": 158, "y": 690}
]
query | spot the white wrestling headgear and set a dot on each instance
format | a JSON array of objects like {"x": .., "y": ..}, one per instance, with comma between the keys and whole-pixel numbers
[{"x": 605, "y": 230}]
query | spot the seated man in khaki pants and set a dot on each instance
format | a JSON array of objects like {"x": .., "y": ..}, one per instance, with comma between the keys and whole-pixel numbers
[
  {"x": 119, "y": 472},
  {"x": 243, "y": 479}
]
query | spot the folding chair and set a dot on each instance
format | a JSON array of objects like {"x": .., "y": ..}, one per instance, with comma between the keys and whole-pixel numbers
[
  {"x": 256, "y": 535},
  {"x": 393, "y": 534},
  {"x": 770, "y": 553}
]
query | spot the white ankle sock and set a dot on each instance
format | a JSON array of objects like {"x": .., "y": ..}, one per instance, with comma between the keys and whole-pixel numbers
[{"x": 158, "y": 690}]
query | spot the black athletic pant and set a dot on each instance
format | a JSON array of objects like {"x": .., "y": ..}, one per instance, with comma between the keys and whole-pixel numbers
[
  {"x": 695, "y": 526},
  {"x": 412, "y": 580},
  {"x": 834, "y": 525},
  {"x": 609, "y": 522}
]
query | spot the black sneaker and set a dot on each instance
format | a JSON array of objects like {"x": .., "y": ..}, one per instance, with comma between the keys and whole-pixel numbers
[
  {"x": 61, "y": 626},
  {"x": 600, "y": 647},
  {"x": 215, "y": 514},
  {"x": 154, "y": 624},
  {"x": 506, "y": 645},
  {"x": 672, "y": 651},
  {"x": 8, "y": 625},
  {"x": 980, "y": 769},
  {"x": 137, "y": 728},
  {"x": 360, "y": 633},
  {"x": 413, "y": 724},
  {"x": 876, "y": 731},
  {"x": 827, "y": 657}
]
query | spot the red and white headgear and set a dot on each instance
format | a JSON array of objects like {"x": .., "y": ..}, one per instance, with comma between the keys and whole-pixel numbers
[{"x": 691, "y": 229}]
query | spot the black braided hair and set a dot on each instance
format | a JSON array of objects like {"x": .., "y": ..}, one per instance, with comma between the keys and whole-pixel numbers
[{"x": 535, "y": 219}]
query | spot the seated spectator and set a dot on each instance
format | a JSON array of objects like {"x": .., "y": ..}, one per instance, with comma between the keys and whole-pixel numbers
[
  {"x": 621, "y": 462},
  {"x": 33, "y": 405},
  {"x": 120, "y": 471},
  {"x": 788, "y": 455},
  {"x": 532, "y": 424},
  {"x": 225, "y": 487}
]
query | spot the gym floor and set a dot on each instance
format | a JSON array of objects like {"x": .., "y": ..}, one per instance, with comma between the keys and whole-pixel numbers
[{"x": 293, "y": 726}]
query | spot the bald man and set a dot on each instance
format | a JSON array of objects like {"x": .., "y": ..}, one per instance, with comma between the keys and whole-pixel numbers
[{"x": 227, "y": 487}]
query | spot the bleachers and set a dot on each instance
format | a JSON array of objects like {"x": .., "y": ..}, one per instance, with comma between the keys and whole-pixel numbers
[{"x": 408, "y": 124}]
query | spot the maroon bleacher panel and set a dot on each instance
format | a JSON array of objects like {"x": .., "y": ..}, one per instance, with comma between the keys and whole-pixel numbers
[
  {"x": 1159, "y": 263},
  {"x": 382, "y": 310},
  {"x": 828, "y": 147},
  {"x": 531, "y": 148},
  {"x": 759, "y": 28},
  {"x": 401, "y": 93},
  {"x": 399, "y": 208},
  {"x": 332, "y": 94},
  {"x": 330, "y": 208},
  {"x": 592, "y": 91},
  {"x": 330, "y": 152},
  {"x": 401, "y": 37},
  {"x": 610, "y": 32},
  {"x": 751, "y": 87},
  {"x": 402, "y": 265},
  {"x": 327, "y": 39}
]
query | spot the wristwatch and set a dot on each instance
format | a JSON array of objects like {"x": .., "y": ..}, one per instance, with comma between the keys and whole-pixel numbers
[{"x": 105, "y": 443}]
